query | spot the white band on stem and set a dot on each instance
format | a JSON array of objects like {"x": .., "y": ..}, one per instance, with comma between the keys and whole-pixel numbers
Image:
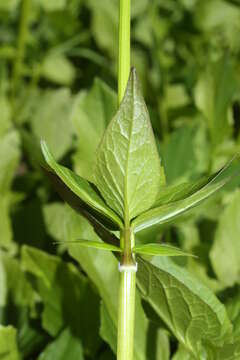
[{"x": 130, "y": 268}]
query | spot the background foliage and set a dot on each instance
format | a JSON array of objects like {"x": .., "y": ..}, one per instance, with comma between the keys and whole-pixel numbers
[{"x": 58, "y": 82}]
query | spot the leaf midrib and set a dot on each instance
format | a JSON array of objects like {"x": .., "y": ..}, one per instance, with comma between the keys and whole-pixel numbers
[{"x": 126, "y": 205}]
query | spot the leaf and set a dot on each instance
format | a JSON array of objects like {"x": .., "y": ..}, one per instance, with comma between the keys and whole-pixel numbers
[
  {"x": 66, "y": 345},
  {"x": 225, "y": 252},
  {"x": 57, "y": 68},
  {"x": 127, "y": 159},
  {"x": 53, "y": 5},
  {"x": 183, "y": 354},
  {"x": 8, "y": 5},
  {"x": 82, "y": 189},
  {"x": 162, "y": 214},
  {"x": 63, "y": 289},
  {"x": 190, "y": 310},
  {"x": 92, "y": 111},
  {"x": 108, "y": 329},
  {"x": 181, "y": 157},
  {"x": 9, "y": 155},
  {"x": 8, "y": 343},
  {"x": 3, "y": 285},
  {"x": 5, "y": 107},
  {"x": 213, "y": 95},
  {"x": 53, "y": 216},
  {"x": 5, "y": 223},
  {"x": 50, "y": 120},
  {"x": 19, "y": 291},
  {"x": 181, "y": 191},
  {"x": 93, "y": 244},
  {"x": 159, "y": 250}
]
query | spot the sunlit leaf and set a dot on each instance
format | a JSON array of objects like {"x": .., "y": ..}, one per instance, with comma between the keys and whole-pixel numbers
[{"x": 127, "y": 159}]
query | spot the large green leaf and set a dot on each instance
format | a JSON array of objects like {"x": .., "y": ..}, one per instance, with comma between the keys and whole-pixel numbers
[
  {"x": 65, "y": 346},
  {"x": 225, "y": 253},
  {"x": 57, "y": 68},
  {"x": 167, "y": 212},
  {"x": 127, "y": 159},
  {"x": 50, "y": 120},
  {"x": 190, "y": 310},
  {"x": 63, "y": 289},
  {"x": 82, "y": 189}
]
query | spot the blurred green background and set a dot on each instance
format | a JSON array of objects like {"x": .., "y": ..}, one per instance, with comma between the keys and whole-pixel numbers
[{"x": 58, "y": 81}]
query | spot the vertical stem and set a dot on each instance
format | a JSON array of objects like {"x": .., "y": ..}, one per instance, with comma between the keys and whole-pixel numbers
[
  {"x": 23, "y": 30},
  {"x": 126, "y": 305},
  {"x": 127, "y": 267},
  {"x": 126, "y": 314},
  {"x": 124, "y": 46}
]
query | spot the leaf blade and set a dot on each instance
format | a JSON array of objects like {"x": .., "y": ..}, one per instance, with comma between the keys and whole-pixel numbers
[
  {"x": 168, "y": 288},
  {"x": 127, "y": 157},
  {"x": 159, "y": 250},
  {"x": 93, "y": 244}
]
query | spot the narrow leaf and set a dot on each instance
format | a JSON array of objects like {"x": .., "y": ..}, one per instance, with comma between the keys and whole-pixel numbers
[
  {"x": 81, "y": 188},
  {"x": 159, "y": 250},
  {"x": 92, "y": 244},
  {"x": 127, "y": 161},
  {"x": 162, "y": 214},
  {"x": 171, "y": 193}
]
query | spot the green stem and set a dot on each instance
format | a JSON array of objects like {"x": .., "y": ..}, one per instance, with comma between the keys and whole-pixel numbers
[
  {"x": 127, "y": 267},
  {"x": 124, "y": 46},
  {"x": 126, "y": 305},
  {"x": 22, "y": 37},
  {"x": 126, "y": 313}
]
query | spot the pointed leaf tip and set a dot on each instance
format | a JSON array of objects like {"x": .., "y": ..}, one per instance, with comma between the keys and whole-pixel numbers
[{"x": 127, "y": 158}]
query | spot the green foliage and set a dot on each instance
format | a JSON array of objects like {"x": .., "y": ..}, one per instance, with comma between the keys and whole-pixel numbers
[
  {"x": 8, "y": 343},
  {"x": 158, "y": 250},
  {"x": 127, "y": 158},
  {"x": 82, "y": 188},
  {"x": 202, "y": 321},
  {"x": 58, "y": 298}
]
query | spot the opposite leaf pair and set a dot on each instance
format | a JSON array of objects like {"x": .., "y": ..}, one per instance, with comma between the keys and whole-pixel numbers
[{"x": 127, "y": 192}]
